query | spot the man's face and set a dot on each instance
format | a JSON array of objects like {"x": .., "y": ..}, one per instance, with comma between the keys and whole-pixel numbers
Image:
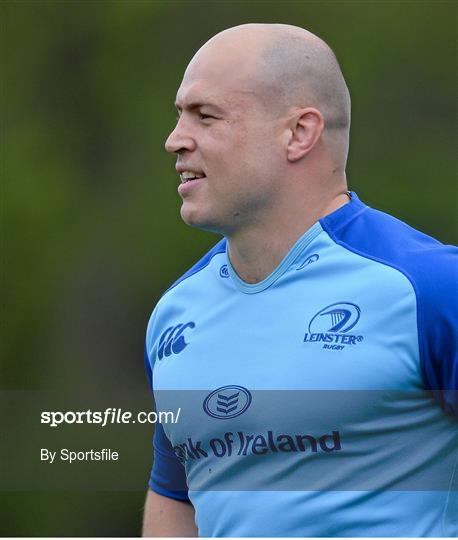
[{"x": 226, "y": 135}]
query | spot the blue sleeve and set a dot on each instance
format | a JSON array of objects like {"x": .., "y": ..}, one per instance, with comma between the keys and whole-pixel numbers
[
  {"x": 438, "y": 324},
  {"x": 168, "y": 476},
  {"x": 432, "y": 269}
]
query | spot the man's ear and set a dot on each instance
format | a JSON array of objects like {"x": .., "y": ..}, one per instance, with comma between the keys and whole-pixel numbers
[{"x": 305, "y": 129}]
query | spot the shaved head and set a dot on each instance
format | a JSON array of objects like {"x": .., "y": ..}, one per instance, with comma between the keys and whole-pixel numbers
[
  {"x": 285, "y": 66},
  {"x": 304, "y": 71},
  {"x": 264, "y": 117}
]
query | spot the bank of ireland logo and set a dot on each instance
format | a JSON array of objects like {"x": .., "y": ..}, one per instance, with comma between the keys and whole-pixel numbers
[
  {"x": 172, "y": 340},
  {"x": 332, "y": 325},
  {"x": 227, "y": 402}
]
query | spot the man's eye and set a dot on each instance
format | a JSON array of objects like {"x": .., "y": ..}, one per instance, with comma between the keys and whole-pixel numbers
[{"x": 204, "y": 116}]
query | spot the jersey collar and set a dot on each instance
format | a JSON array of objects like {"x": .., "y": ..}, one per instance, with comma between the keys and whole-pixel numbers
[{"x": 340, "y": 216}]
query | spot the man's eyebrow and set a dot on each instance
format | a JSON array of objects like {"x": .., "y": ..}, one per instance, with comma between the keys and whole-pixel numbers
[{"x": 193, "y": 105}]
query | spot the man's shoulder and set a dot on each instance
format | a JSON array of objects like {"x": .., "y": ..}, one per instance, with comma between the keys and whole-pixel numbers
[
  {"x": 432, "y": 269},
  {"x": 182, "y": 294},
  {"x": 430, "y": 265},
  {"x": 201, "y": 265}
]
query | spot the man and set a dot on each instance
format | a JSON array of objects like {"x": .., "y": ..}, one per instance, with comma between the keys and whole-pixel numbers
[{"x": 313, "y": 350}]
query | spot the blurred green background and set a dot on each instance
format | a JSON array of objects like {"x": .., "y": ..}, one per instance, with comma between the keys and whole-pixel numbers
[{"x": 90, "y": 228}]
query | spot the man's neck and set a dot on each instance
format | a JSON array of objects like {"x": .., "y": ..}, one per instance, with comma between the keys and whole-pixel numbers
[{"x": 255, "y": 253}]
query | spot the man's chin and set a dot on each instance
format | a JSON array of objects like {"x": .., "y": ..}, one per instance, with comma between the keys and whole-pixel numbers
[{"x": 194, "y": 218}]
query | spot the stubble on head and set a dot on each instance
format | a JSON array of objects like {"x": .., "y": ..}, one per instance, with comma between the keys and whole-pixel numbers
[{"x": 263, "y": 74}]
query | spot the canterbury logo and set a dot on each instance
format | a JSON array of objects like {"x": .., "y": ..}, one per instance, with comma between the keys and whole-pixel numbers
[{"x": 172, "y": 340}]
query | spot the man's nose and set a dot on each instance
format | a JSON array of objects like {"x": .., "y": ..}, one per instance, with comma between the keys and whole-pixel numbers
[{"x": 180, "y": 139}]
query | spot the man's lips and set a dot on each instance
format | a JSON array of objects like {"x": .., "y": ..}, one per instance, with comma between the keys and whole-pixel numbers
[
  {"x": 186, "y": 187},
  {"x": 185, "y": 180},
  {"x": 188, "y": 174}
]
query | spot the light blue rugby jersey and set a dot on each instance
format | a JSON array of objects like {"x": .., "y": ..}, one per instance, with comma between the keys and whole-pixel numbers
[{"x": 321, "y": 401}]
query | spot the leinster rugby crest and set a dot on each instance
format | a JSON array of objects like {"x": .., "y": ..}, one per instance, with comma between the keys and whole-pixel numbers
[{"x": 333, "y": 326}]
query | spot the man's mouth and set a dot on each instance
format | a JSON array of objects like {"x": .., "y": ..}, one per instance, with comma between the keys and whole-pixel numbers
[{"x": 188, "y": 176}]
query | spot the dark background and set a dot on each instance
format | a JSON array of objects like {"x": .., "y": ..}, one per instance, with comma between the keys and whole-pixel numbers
[{"x": 91, "y": 234}]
